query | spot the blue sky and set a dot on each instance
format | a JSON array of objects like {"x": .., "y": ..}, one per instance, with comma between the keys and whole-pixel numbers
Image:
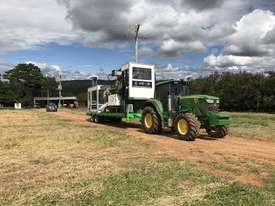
[
  {"x": 77, "y": 56},
  {"x": 184, "y": 38}
]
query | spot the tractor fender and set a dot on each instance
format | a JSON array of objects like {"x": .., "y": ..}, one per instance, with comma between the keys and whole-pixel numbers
[{"x": 157, "y": 105}]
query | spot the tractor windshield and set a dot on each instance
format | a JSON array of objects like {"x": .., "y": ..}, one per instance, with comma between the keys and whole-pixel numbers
[
  {"x": 179, "y": 90},
  {"x": 211, "y": 104}
]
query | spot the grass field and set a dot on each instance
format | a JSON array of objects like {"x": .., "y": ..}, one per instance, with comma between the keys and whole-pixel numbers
[
  {"x": 51, "y": 160},
  {"x": 253, "y": 125}
]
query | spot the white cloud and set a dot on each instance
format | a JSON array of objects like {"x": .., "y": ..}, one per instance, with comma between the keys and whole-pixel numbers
[
  {"x": 48, "y": 69},
  {"x": 229, "y": 60},
  {"x": 53, "y": 70},
  {"x": 174, "y": 27},
  {"x": 172, "y": 72},
  {"x": 32, "y": 23},
  {"x": 251, "y": 47},
  {"x": 244, "y": 30},
  {"x": 251, "y": 30}
]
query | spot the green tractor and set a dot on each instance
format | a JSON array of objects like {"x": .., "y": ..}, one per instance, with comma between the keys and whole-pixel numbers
[{"x": 135, "y": 95}]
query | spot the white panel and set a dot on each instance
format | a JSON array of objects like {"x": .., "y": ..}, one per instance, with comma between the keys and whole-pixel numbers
[
  {"x": 141, "y": 92},
  {"x": 114, "y": 100}
]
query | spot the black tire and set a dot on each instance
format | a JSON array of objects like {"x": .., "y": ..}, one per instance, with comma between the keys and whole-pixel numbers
[
  {"x": 97, "y": 119},
  {"x": 218, "y": 132},
  {"x": 155, "y": 127},
  {"x": 116, "y": 119},
  {"x": 192, "y": 126},
  {"x": 92, "y": 119}
]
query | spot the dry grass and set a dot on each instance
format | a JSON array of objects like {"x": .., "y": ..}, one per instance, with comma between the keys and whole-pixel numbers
[
  {"x": 39, "y": 151},
  {"x": 49, "y": 160}
]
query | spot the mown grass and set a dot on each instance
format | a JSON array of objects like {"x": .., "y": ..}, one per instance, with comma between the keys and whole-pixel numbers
[
  {"x": 168, "y": 182},
  {"x": 48, "y": 160},
  {"x": 253, "y": 125}
]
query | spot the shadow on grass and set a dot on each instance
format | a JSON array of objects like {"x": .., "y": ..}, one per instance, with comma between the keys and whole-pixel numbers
[{"x": 165, "y": 133}]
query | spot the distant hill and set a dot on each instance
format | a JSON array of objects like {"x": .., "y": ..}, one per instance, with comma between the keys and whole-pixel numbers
[{"x": 79, "y": 88}]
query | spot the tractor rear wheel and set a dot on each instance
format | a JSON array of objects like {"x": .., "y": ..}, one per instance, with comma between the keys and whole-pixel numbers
[
  {"x": 187, "y": 126},
  {"x": 150, "y": 121},
  {"x": 218, "y": 132}
]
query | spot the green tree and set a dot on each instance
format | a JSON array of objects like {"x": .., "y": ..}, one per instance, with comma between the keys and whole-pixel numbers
[
  {"x": 26, "y": 80},
  {"x": 6, "y": 93},
  {"x": 49, "y": 87},
  {"x": 239, "y": 92}
]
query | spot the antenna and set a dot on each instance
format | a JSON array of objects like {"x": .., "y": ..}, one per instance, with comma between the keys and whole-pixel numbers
[{"x": 136, "y": 42}]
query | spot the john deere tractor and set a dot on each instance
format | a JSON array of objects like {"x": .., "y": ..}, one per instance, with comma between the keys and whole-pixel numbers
[{"x": 135, "y": 95}]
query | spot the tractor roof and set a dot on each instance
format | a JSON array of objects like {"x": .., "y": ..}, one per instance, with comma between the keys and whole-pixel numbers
[
  {"x": 162, "y": 82},
  {"x": 200, "y": 96}
]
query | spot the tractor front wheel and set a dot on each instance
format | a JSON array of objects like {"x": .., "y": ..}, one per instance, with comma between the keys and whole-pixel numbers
[
  {"x": 218, "y": 132},
  {"x": 150, "y": 121},
  {"x": 187, "y": 126}
]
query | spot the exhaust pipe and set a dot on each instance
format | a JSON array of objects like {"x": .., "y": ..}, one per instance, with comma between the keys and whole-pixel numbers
[{"x": 170, "y": 119}]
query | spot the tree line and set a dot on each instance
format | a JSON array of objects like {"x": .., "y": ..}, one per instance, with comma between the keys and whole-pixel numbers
[
  {"x": 239, "y": 92},
  {"x": 24, "y": 82}
]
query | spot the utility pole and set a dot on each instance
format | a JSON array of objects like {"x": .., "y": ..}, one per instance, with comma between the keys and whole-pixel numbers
[
  {"x": 48, "y": 93},
  {"x": 136, "y": 42},
  {"x": 60, "y": 92}
]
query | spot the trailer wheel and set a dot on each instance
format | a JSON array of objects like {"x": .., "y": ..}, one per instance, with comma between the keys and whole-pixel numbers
[
  {"x": 150, "y": 121},
  {"x": 92, "y": 119},
  {"x": 187, "y": 126},
  {"x": 218, "y": 132},
  {"x": 97, "y": 119}
]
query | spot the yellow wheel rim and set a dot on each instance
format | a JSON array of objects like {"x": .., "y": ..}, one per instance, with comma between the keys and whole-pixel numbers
[
  {"x": 148, "y": 120},
  {"x": 182, "y": 127}
]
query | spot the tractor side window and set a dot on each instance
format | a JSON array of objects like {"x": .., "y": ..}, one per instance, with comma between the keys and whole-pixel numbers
[
  {"x": 142, "y": 73},
  {"x": 179, "y": 90}
]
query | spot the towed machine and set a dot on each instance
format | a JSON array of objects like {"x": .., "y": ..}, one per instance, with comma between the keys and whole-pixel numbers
[{"x": 135, "y": 95}]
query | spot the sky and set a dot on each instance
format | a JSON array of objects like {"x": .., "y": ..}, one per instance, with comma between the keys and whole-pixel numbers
[{"x": 183, "y": 38}]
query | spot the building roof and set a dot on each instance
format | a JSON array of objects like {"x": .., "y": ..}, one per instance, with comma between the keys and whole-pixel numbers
[{"x": 53, "y": 98}]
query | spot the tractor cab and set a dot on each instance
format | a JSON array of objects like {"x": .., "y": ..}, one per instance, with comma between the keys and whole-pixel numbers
[{"x": 172, "y": 89}]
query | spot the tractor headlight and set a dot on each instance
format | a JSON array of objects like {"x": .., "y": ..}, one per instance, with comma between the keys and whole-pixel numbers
[{"x": 212, "y": 105}]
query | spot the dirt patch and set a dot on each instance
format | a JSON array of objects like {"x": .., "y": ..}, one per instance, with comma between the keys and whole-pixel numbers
[{"x": 203, "y": 149}]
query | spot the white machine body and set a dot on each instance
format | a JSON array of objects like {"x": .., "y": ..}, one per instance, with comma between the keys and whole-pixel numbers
[
  {"x": 140, "y": 85},
  {"x": 114, "y": 100},
  {"x": 95, "y": 99},
  {"x": 141, "y": 80}
]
